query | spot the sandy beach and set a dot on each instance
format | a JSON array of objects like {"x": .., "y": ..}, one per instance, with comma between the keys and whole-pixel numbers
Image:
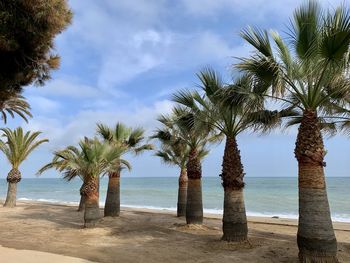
[{"x": 140, "y": 235}]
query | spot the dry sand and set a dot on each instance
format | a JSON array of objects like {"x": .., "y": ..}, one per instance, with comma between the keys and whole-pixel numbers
[
  {"x": 10, "y": 255},
  {"x": 143, "y": 236}
]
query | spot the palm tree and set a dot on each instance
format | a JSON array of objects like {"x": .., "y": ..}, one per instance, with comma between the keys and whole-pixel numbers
[
  {"x": 174, "y": 151},
  {"x": 17, "y": 147},
  {"x": 127, "y": 140},
  {"x": 308, "y": 74},
  {"x": 13, "y": 103},
  {"x": 90, "y": 160},
  {"x": 196, "y": 134},
  {"x": 243, "y": 112}
]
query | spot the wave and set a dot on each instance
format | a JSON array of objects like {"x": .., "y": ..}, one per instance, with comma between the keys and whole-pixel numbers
[{"x": 51, "y": 201}]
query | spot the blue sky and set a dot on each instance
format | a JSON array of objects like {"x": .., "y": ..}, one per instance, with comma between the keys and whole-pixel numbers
[{"x": 121, "y": 61}]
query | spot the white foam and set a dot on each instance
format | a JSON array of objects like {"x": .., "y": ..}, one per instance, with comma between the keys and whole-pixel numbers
[{"x": 52, "y": 201}]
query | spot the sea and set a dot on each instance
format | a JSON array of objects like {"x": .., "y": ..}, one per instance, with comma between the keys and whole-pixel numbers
[{"x": 265, "y": 197}]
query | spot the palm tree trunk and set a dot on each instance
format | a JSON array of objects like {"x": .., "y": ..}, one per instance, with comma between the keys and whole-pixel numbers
[
  {"x": 92, "y": 210},
  {"x": 194, "y": 205},
  {"x": 316, "y": 239},
  {"x": 182, "y": 194},
  {"x": 234, "y": 218},
  {"x": 11, "y": 195},
  {"x": 82, "y": 198},
  {"x": 13, "y": 177},
  {"x": 81, "y": 203},
  {"x": 112, "y": 204}
]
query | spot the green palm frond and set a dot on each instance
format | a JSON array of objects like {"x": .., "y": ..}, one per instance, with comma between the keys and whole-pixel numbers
[
  {"x": 309, "y": 73},
  {"x": 180, "y": 133},
  {"x": 91, "y": 158},
  {"x": 125, "y": 139},
  {"x": 258, "y": 39},
  {"x": 14, "y": 104},
  {"x": 19, "y": 145}
]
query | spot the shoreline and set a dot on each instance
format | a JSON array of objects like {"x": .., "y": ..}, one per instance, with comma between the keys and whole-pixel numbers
[
  {"x": 207, "y": 212},
  {"x": 341, "y": 226}
]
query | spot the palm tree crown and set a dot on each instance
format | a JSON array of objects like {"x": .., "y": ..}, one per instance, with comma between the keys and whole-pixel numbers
[
  {"x": 309, "y": 73},
  {"x": 127, "y": 139},
  {"x": 173, "y": 150},
  {"x": 91, "y": 158},
  {"x": 19, "y": 145},
  {"x": 14, "y": 104},
  {"x": 229, "y": 108}
]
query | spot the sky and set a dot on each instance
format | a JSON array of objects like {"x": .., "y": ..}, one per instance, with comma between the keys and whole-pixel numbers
[{"x": 122, "y": 60}]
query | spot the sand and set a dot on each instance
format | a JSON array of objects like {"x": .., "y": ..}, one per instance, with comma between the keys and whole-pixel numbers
[
  {"x": 140, "y": 235},
  {"x": 9, "y": 255}
]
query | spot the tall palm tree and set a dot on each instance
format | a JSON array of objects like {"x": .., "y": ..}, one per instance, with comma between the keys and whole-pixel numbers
[
  {"x": 127, "y": 140},
  {"x": 196, "y": 134},
  {"x": 174, "y": 151},
  {"x": 90, "y": 160},
  {"x": 309, "y": 74},
  {"x": 17, "y": 147},
  {"x": 13, "y": 103}
]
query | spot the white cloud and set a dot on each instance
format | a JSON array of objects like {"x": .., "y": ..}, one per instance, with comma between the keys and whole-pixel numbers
[
  {"x": 42, "y": 104},
  {"x": 134, "y": 38},
  {"x": 255, "y": 9},
  {"x": 66, "y": 131},
  {"x": 63, "y": 87}
]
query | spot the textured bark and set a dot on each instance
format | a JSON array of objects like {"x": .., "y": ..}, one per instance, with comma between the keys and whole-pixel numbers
[
  {"x": 13, "y": 177},
  {"x": 81, "y": 203},
  {"x": 232, "y": 168},
  {"x": 11, "y": 195},
  {"x": 82, "y": 198},
  {"x": 316, "y": 239},
  {"x": 182, "y": 194},
  {"x": 194, "y": 167},
  {"x": 194, "y": 206},
  {"x": 112, "y": 204},
  {"x": 92, "y": 210},
  {"x": 234, "y": 220}
]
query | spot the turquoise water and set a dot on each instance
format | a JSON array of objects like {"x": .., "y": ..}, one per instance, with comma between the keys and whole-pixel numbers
[{"x": 263, "y": 196}]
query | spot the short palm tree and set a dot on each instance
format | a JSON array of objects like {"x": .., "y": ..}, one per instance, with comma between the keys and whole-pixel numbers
[
  {"x": 174, "y": 151},
  {"x": 17, "y": 147},
  {"x": 196, "y": 134},
  {"x": 89, "y": 161},
  {"x": 12, "y": 103},
  {"x": 310, "y": 74},
  {"x": 127, "y": 140}
]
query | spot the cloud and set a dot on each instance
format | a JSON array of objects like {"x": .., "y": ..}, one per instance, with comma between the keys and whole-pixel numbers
[
  {"x": 254, "y": 9},
  {"x": 42, "y": 104},
  {"x": 66, "y": 131},
  {"x": 63, "y": 87},
  {"x": 123, "y": 49}
]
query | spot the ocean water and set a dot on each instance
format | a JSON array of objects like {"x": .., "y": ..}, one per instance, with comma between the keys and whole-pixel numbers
[{"x": 263, "y": 196}]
